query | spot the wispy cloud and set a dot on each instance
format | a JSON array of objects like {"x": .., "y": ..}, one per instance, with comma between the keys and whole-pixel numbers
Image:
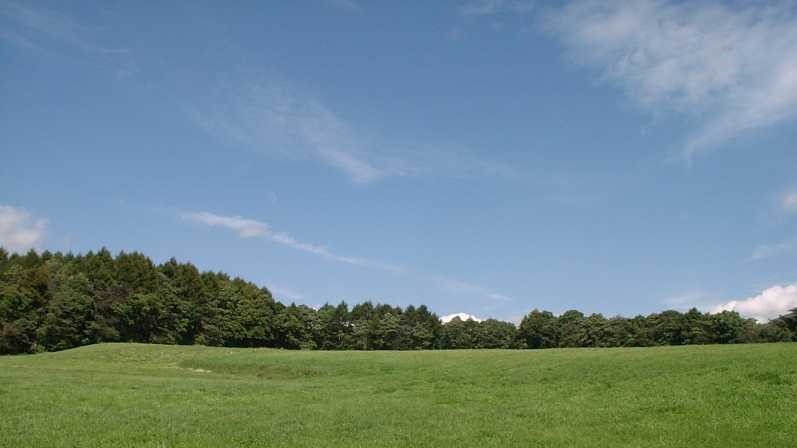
[
  {"x": 359, "y": 170},
  {"x": 492, "y": 7},
  {"x": 287, "y": 240},
  {"x": 345, "y": 5},
  {"x": 39, "y": 23},
  {"x": 246, "y": 228},
  {"x": 46, "y": 23},
  {"x": 19, "y": 231},
  {"x": 33, "y": 27},
  {"x": 771, "y": 303},
  {"x": 770, "y": 250},
  {"x": 249, "y": 228},
  {"x": 689, "y": 299},
  {"x": 18, "y": 40},
  {"x": 462, "y": 287},
  {"x": 789, "y": 202},
  {"x": 284, "y": 293},
  {"x": 271, "y": 117},
  {"x": 274, "y": 118},
  {"x": 731, "y": 67}
]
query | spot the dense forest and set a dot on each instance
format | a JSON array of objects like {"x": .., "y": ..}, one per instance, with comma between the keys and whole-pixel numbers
[{"x": 53, "y": 301}]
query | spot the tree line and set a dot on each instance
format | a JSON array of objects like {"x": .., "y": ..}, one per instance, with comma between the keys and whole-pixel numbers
[{"x": 54, "y": 301}]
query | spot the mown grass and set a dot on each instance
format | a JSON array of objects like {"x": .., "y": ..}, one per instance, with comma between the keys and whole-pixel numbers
[{"x": 124, "y": 395}]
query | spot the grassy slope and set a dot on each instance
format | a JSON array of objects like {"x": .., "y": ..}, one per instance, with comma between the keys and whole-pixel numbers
[{"x": 146, "y": 395}]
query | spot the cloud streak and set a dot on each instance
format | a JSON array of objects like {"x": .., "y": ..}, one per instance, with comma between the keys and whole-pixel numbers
[
  {"x": 789, "y": 202},
  {"x": 462, "y": 287},
  {"x": 41, "y": 31},
  {"x": 770, "y": 250},
  {"x": 689, "y": 299},
  {"x": 45, "y": 23},
  {"x": 345, "y": 5},
  {"x": 493, "y": 7},
  {"x": 32, "y": 27},
  {"x": 274, "y": 118},
  {"x": 284, "y": 293},
  {"x": 732, "y": 68},
  {"x": 245, "y": 228},
  {"x": 249, "y": 228},
  {"x": 19, "y": 231}
]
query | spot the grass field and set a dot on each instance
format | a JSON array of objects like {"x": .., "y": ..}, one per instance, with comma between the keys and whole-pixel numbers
[{"x": 119, "y": 395}]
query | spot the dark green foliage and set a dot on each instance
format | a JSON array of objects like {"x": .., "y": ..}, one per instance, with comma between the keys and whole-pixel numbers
[
  {"x": 421, "y": 328},
  {"x": 539, "y": 329},
  {"x": 789, "y": 321},
  {"x": 296, "y": 326},
  {"x": 335, "y": 328},
  {"x": 69, "y": 318},
  {"x": 458, "y": 334},
  {"x": 571, "y": 329},
  {"x": 52, "y": 301},
  {"x": 495, "y": 334},
  {"x": 18, "y": 319}
]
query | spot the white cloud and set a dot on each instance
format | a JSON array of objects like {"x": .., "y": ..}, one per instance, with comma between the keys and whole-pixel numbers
[
  {"x": 770, "y": 250},
  {"x": 284, "y": 293},
  {"x": 249, "y": 228},
  {"x": 789, "y": 202},
  {"x": 731, "y": 67},
  {"x": 287, "y": 240},
  {"x": 462, "y": 316},
  {"x": 246, "y": 228},
  {"x": 30, "y": 26},
  {"x": 274, "y": 118},
  {"x": 689, "y": 299},
  {"x": 44, "y": 22},
  {"x": 461, "y": 287},
  {"x": 359, "y": 170},
  {"x": 19, "y": 231},
  {"x": 345, "y": 5},
  {"x": 771, "y": 303},
  {"x": 492, "y": 7},
  {"x": 271, "y": 117}
]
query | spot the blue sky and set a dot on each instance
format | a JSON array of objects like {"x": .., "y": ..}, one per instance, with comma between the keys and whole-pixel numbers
[{"x": 485, "y": 157}]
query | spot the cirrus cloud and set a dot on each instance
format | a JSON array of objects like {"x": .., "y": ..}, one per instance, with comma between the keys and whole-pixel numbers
[
  {"x": 763, "y": 251},
  {"x": 462, "y": 287},
  {"x": 246, "y": 228},
  {"x": 789, "y": 202},
  {"x": 492, "y": 7},
  {"x": 732, "y": 68},
  {"x": 275, "y": 118},
  {"x": 272, "y": 117},
  {"x": 250, "y": 228}
]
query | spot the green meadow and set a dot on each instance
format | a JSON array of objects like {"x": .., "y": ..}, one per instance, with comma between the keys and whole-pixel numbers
[{"x": 131, "y": 395}]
